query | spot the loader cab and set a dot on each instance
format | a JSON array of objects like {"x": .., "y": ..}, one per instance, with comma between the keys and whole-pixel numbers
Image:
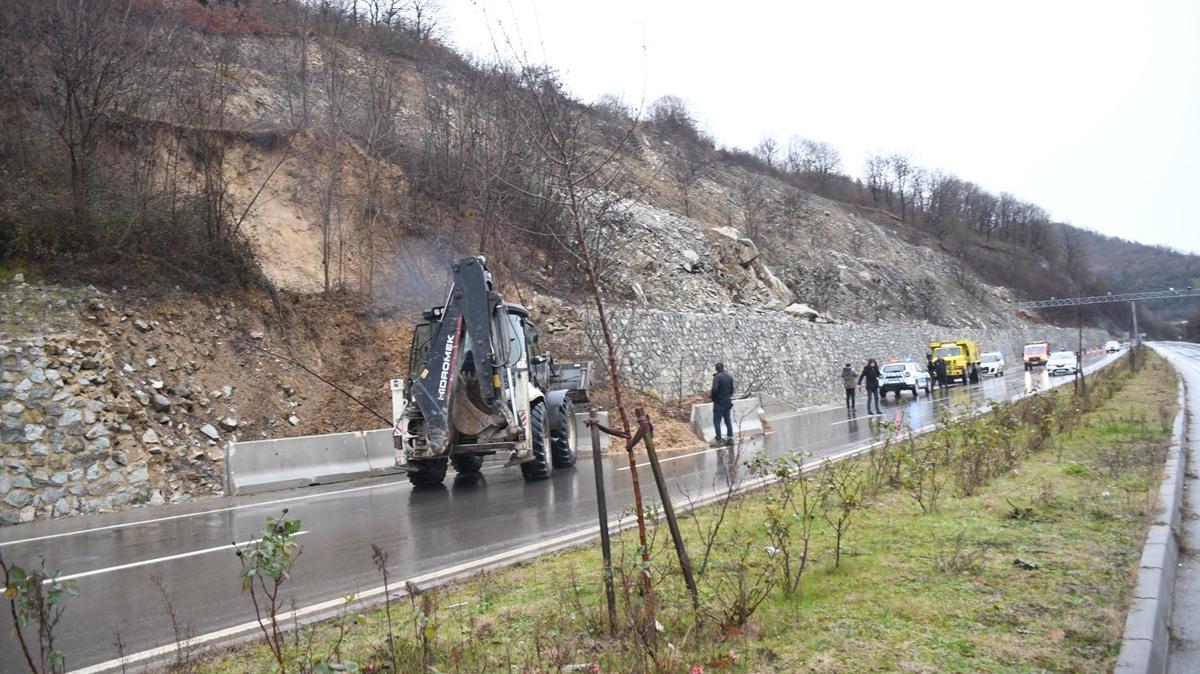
[
  {"x": 422, "y": 334},
  {"x": 522, "y": 337}
]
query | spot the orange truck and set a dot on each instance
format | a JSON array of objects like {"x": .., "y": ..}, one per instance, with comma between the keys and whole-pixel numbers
[{"x": 1036, "y": 354}]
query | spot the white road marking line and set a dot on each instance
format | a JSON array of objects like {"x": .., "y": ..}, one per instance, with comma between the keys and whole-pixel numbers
[
  {"x": 157, "y": 560},
  {"x": 865, "y": 417},
  {"x": 213, "y": 511},
  {"x": 680, "y": 456}
]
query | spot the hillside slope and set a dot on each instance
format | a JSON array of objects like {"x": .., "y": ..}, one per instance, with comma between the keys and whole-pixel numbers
[{"x": 293, "y": 179}]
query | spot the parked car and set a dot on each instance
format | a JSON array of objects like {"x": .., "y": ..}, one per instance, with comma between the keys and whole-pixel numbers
[
  {"x": 1112, "y": 346},
  {"x": 1062, "y": 362},
  {"x": 899, "y": 377},
  {"x": 992, "y": 363}
]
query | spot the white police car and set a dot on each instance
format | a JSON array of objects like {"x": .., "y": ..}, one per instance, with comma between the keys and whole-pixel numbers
[{"x": 897, "y": 377}]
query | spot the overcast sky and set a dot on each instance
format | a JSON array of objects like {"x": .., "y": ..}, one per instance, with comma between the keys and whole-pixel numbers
[{"x": 1089, "y": 109}]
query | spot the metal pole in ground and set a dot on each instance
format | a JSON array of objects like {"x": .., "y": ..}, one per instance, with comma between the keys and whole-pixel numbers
[
  {"x": 602, "y": 507},
  {"x": 1137, "y": 336},
  {"x": 664, "y": 496},
  {"x": 1080, "y": 382}
]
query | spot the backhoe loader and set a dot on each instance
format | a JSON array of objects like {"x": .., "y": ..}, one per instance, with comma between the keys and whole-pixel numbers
[{"x": 478, "y": 384}]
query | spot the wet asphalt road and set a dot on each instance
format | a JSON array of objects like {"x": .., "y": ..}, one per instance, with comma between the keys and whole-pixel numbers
[
  {"x": 1183, "y": 655},
  {"x": 117, "y": 557}
]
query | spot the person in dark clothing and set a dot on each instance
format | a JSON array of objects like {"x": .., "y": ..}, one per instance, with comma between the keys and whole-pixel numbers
[
  {"x": 929, "y": 364},
  {"x": 939, "y": 369},
  {"x": 870, "y": 374},
  {"x": 722, "y": 400},
  {"x": 848, "y": 380}
]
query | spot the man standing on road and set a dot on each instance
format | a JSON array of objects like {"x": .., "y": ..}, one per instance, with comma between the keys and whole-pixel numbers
[
  {"x": 870, "y": 374},
  {"x": 722, "y": 400},
  {"x": 939, "y": 368},
  {"x": 849, "y": 380}
]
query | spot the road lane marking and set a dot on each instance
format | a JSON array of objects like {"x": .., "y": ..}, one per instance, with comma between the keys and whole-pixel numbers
[
  {"x": 213, "y": 511},
  {"x": 158, "y": 560},
  {"x": 682, "y": 456}
]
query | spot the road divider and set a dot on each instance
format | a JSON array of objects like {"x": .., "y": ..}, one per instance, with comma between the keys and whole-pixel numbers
[
  {"x": 284, "y": 463},
  {"x": 746, "y": 417}
]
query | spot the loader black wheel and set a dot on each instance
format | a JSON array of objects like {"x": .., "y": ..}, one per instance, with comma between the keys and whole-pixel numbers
[
  {"x": 562, "y": 440},
  {"x": 539, "y": 467},
  {"x": 467, "y": 463},
  {"x": 427, "y": 472}
]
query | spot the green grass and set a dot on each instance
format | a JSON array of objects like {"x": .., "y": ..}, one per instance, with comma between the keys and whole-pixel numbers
[{"x": 947, "y": 591}]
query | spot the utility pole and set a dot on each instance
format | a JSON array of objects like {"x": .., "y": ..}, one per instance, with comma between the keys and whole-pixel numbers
[
  {"x": 1080, "y": 382},
  {"x": 1137, "y": 337},
  {"x": 1137, "y": 334}
]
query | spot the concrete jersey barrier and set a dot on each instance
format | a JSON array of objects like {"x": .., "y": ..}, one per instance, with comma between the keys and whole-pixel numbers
[
  {"x": 265, "y": 465},
  {"x": 745, "y": 417}
]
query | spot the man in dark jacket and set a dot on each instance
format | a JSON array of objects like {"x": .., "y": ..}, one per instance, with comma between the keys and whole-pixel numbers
[
  {"x": 722, "y": 400},
  {"x": 870, "y": 374},
  {"x": 939, "y": 369}
]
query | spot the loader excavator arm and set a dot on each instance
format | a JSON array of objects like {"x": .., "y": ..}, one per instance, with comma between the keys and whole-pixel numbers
[{"x": 467, "y": 314}]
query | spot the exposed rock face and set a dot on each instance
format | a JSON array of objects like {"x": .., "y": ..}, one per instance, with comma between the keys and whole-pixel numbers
[
  {"x": 745, "y": 271},
  {"x": 839, "y": 264}
]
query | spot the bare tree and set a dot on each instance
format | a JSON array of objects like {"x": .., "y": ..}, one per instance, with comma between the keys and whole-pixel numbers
[
  {"x": 295, "y": 56},
  {"x": 671, "y": 116},
  {"x": 686, "y": 171},
  {"x": 751, "y": 202},
  {"x": 376, "y": 112},
  {"x": 333, "y": 80},
  {"x": 767, "y": 151},
  {"x": 901, "y": 168},
  {"x": 815, "y": 160},
  {"x": 204, "y": 108},
  {"x": 876, "y": 173},
  {"x": 92, "y": 49},
  {"x": 424, "y": 18}
]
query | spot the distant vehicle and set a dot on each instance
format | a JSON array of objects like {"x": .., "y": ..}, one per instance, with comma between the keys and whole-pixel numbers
[
  {"x": 1062, "y": 362},
  {"x": 992, "y": 363},
  {"x": 899, "y": 377},
  {"x": 961, "y": 356},
  {"x": 1036, "y": 354},
  {"x": 1112, "y": 346}
]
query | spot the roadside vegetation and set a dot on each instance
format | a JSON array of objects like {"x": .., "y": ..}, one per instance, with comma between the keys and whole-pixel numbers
[{"x": 1004, "y": 542}]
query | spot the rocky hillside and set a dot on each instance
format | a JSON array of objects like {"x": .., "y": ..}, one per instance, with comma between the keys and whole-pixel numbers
[{"x": 270, "y": 191}]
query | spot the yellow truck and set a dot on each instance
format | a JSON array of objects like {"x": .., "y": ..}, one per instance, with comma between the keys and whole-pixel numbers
[{"x": 961, "y": 356}]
